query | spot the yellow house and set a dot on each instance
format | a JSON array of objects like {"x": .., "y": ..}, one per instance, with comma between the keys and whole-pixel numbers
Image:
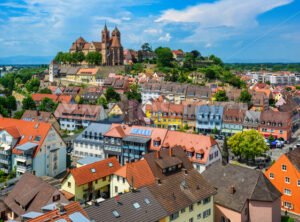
[
  {"x": 90, "y": 181},
  {"x": 131, "y": 176},
  {"x": 87, "y": 75},
  {"x": 115, "y": 110},
  {"x": 165, "y": 115}
]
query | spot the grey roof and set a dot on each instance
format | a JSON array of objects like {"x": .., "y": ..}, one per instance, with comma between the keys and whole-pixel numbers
[
  {"x": 32, "y": 214},
  {"x": 78, "y": 217},
  {"x": 210, "y": 109},
  {"x": 137, "y": 139},
  {"x": 94, "y": 128},
  {"x": 252, "y": 116},
  {"x": 294, "y": 157},
  {"x": 27, "y": 146},
  {"x": 248, "y": 184},
  {"x": 126, "y": 210},
  {"x": 89, "y": 160}
]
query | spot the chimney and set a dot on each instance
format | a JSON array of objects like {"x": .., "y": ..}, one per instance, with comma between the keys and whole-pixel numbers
[
  {"x": 185, "y": 172},
  {"x": 157, "y": 154},
  {"x": 232, "y": 190},
  {"x": 158, "y": 181},
  {"x": 171, "y": 151},
  {"x": 60, "y": 207}
]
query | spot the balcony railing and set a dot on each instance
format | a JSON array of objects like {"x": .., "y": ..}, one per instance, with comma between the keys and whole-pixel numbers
[
  {"x": 23, "y": 158},
  {"x": 4, "y": 161},
  {"x": 3, "y": 152},
  {"x": 23, "y": 168}
]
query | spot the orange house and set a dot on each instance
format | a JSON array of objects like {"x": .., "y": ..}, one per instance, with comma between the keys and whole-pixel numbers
[
  {"x": 278, "y": 124},
  {"x": 285, "y": 176}
]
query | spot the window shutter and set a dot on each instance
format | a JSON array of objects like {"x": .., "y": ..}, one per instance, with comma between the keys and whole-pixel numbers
[{"x": 282, "y": 203}]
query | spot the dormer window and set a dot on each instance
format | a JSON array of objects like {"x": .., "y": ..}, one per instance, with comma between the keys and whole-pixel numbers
[
  {"x": 263, "y": 122},
  {"x": 273, "y": 124},
  {"x": 269, "y": 123},
  {"x": 280, "y": 124}
]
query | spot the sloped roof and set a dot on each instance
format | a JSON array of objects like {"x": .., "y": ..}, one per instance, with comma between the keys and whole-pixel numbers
[
  {"x": 139, "y": 172},
  {"x": 127, "y": 212},
  {"x": 55, "y": 215},
  {"x": 248, "y": 184},
  {"x": 33, "y": 199},
  {"x": 179, "y": 191},
  {"x": 294, "y": 157},
  {"x": 85, "y": 174}
]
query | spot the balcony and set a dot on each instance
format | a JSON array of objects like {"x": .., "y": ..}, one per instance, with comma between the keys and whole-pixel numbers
[
  {"x": 3, "y": 152},
  {"x": 4, "y": 161},
  {"x": 23, "y": 169},
  {"x": 5, "y": 170},
  {"x": 24, "y": 159}
]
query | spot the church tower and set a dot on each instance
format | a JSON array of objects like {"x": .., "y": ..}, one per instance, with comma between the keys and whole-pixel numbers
[
  {"x": 105, "y": 45},
  {"x": 116, "y": 48}
]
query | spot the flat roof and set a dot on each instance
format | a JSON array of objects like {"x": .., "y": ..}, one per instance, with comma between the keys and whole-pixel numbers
[
  {"x": 27, "y": 146},
  {"x": 32, "y": 214},
  {"x": 89, "y": 160},
  {"x": 137, "y": 139}
]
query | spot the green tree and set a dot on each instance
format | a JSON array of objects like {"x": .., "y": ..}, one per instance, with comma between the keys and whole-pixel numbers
[
  {"x": 210, "y": 74},
  {"x": 19, "y": 114},
  {"x": 78, "y": 57},
  {"x": 133, "y": 93},
  {"x": 111, "y": 95},
  {"x": 11, "y": 103},
  {"x": 28, "y": 103},
  {"x": 93, "y": 58},
  {"x": 102, "y": 102},
  {"x": 196, "y": 53},
  {"x": 3, "y": 111},
  {"x": 216, "y": 60},
  {"x": 164, "y": 56},
  {"x": 245, "y": 96},
  {"x": 45, "y": 91},
  {"x": 215, "y": 130},
  {"x": 138, "y": 67},
  {"x": 221, "y": 96},
  {"x": 47, "y": 105},
  {"x": 59, "y": 57},
  {"x": 33, "y": 85},
  {"x": 146, "y": 47},
  {"x": 272, "y": 102},
  {"x": 271, "y": 138},
  {"x": 247, "y": 144}
]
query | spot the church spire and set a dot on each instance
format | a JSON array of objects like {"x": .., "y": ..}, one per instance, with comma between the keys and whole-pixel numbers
[{"x": 105, "y": 27}]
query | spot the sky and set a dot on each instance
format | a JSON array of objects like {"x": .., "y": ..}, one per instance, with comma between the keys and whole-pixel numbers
[{"x": 234, "y": 30}]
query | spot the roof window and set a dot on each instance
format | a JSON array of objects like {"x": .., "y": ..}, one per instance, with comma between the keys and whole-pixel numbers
[
  {"x": 147, "y": 201},
  {"x": 93, "y": 170},
  {"x": 37, "y": 138},
  {"x": 115, "y": 213},
  {"x": 136, "y": 205},
  {"x": 110, "y": 164}
]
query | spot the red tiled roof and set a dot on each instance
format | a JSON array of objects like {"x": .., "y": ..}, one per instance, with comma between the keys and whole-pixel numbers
[
  {"x": 55, "y": 215},
  {"x": 84, "y": 174},
  {"x": 116, "y": 132},
  {"x": 13, "y": 131},
  {"x": 67, "y": 194},
  {"x": 27, "y": 130},
  {"x": 38, "y": 97},
  {"x": 91, "y": 71},
  {"x": 139, "y": 172}
]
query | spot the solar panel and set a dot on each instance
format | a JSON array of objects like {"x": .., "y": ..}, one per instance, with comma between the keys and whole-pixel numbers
[{"x": 143, "y": 132}]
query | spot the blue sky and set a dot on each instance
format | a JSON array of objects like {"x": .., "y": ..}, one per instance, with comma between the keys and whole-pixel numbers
[{"x": 235, "y": 30}]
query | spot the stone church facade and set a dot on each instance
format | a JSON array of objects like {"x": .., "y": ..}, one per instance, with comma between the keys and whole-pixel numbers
[{"x": 110, "y": 47}]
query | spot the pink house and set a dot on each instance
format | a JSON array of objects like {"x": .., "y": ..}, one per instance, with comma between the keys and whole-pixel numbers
[{"x": 243, "y": 194}]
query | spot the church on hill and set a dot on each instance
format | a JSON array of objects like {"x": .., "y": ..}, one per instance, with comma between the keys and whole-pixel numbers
[{"x": 110, "y": 47}]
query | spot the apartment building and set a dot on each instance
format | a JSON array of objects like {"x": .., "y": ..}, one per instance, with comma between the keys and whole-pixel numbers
[
  {"x": 31, "y": 146},
  {"x": 75, "y": 116},
  {"x": 284, "y": 174},
  {"x": 209, "y": 118},
  {"x": 40, "y": 116},
  {"x": 251, "y": 120},
  {"x": 233, "y": 120}
]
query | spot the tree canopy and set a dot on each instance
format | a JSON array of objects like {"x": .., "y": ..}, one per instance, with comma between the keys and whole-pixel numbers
[
  {"x": 133, "y": 93},
  {"x": 221, "y": 96},
  {"x": 33, "y": 85},
  {"x": 247, "y": 144},
  {"x": 164, "y": 56},
  {"x": 245, "y": 96},
  {"x": 45, "y": 91},
  {"x": 28, "y": 103},
  {"x": 47, "y": 105},
  {"x": 93, "y": 58},
  {"x": 111, "y": 95},
  {"x": 146, "y": 47}
]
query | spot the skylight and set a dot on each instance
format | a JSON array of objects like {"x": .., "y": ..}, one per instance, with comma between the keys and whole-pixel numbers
[
  {"x": 136, "y": 205},
  {"x": 93, "y": 170},
  {"x": 147, "y": 201},
  {"x": 115, "y": 213},
  {"x": 37, "y": 138},
  {"x": 110, "y": 164}
]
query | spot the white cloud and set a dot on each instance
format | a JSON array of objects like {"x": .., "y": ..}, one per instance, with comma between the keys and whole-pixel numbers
[
  {"x": 165, "y": 38},
  {"x": 109, "y": 19},
  {"x": 228, "y": 13},
  {"x": 126, "y": 18},
  {"x": 208, "y": 45},
  {"x": 153, "y": 31}
]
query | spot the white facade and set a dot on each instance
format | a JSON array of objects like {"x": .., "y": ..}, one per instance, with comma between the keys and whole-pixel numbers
[
  {"x": 214, "y": 155},
  {"x": 84, "y": 149},
  {"x": 118, "y": 185},
  {"x": 149, "y": 95},
  {"x": 53, "y": 70}
]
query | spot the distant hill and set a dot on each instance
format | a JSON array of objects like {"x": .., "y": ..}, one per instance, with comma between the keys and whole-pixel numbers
[{"x": 25, "y": 60}]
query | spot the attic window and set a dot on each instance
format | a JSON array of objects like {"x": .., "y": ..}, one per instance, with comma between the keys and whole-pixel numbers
[
  {"x": 93, "y": 170},
  {"x": 110, "y": 164},
  {"x": 136, "y": 205},
  {"x": 147, "y": 201},
  {"x": 30, "y": 138},
  {"x": 37, "y": 138},
  {"x": 37, "y": 125},
  {"x": 115, "y": 213}
]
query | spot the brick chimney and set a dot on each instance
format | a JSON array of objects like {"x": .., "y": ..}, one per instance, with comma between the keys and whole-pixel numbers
[
  {"x": 232, "y": 190},
  {"x": 157, "y": 154},
  {"x": 158, "y": 181},
  {"x": 170, "y": 151}
]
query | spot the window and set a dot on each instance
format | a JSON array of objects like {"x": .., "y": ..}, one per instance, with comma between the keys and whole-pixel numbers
[
  {"x": 287, "y": 192},
  {"x": 222, "y": 219},
  {"x": 191, "y": 219},
  {"x": 191, "y": 208},
  {"x": 136, "y": 205},
  {"x": 174, "y": 216},
  {"x": 287, "y": 180},
  {"x": 116, "y": 189},
  {"x": 199, "y": 202},
  {"x": 298, "y": 183},
  {"x": 182, "y": 210},
  {"x": 124, "y": 180},
  {"x": 283, "y": 167},
  {"x": 96, "y": 181},
  {"x": 206, "y": 200},
  {"x": 198, "y": 216},
  {"x": 206, "y": 213},
  {"x": 147, "y": 201},
  {"x": 115, "y": 213},
  {"x": 287, "y": 205},
  {"x": 56, "y": 198},
  {"x": 118, "y": 178},
  {"x": 69, "y": 184},
  {"x": 103, "y": 179},
  {"x": 271, "y": 175}
]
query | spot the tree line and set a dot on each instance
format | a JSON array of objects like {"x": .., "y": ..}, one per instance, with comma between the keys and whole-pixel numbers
[{"x": 92, "y": 58}]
